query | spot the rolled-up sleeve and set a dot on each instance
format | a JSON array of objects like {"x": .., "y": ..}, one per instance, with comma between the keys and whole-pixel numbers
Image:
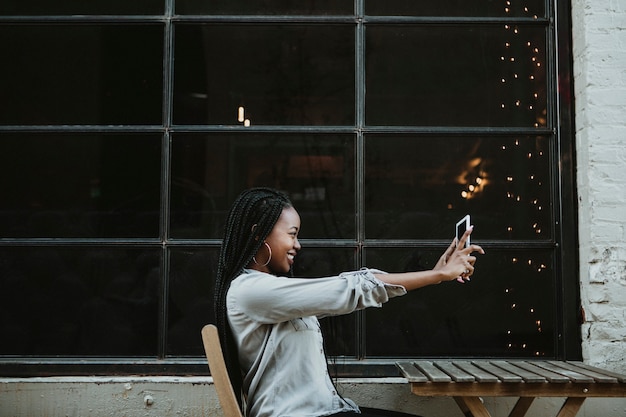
[{"x": 269, "y": 299}]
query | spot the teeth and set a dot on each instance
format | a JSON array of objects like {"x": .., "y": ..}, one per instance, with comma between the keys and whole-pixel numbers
[{"x": 290, "y": 256}]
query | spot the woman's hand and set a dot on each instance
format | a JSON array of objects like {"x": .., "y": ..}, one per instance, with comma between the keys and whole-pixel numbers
[{"x": 457, "y": 262}]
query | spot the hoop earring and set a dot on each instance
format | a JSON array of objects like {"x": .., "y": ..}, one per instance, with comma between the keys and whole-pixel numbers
[{"x": 268, "y": 259}]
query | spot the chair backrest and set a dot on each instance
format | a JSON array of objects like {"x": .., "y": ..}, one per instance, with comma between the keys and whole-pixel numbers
[{"x": 217, "y": 366}]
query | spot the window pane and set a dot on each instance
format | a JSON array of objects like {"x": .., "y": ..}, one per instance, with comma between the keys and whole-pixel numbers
[
  {"x": 456, "y": 76},
  {"x": 79, "y": 185},
  {"x": 419, "y": 187},
  {"x": 339, "y": 332},
  {"x": 209, "y": 171},
  {"x": 506, "y": 310},
  {"x": 528, "y": 8},
  {"x": 268, "y": 7},
  {"x": 190, "y": 306},
  {"x": 104, "y": 7},
  {"x": 81, "y": 74},
  {"x": 79, "y": 301},
  {"x": 296, "y": 75}
]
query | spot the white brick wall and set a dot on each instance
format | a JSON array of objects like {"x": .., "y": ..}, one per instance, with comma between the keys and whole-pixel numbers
[{"x": 599, "y": 49}]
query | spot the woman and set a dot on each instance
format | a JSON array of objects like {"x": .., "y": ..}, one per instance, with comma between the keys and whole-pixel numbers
[{"x": 268, "y": 322}]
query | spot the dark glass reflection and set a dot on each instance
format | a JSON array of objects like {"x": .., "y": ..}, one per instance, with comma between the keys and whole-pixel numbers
[
  {"x": 208, "y": 172},
  {"x": 506, "y": 310},
  {"x": 474, "y": 8},
  {"x": 419, "y": 187},
  {"x": 191, "y": 286},
  {"x": 81, "y": 74},
  {"x": 296, "y": 75},
  {"x": 456, "y": 76},
  {"x": 339, "y": 331},
  {"x": 79, "y": 301},
  {"x": 79, "y": 185},
  {"x": 267, "y": 7},
  {"x": 92, "y": 7}
]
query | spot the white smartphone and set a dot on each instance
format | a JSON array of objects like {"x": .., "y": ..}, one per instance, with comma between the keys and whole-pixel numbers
[{"x": 461, "y": 226}]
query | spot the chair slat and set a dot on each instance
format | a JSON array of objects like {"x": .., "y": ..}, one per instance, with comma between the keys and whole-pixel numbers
[{"x": 217, "y": 366}]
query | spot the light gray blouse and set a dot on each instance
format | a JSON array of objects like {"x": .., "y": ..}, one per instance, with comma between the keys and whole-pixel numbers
[{"x": 274, "y": 320}]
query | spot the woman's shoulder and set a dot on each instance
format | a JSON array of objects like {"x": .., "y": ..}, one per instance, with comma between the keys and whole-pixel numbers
[{"x": 249, "y": 275}]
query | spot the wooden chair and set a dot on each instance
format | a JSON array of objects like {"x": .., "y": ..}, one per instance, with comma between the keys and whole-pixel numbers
[{"x": 217, "y": 366}]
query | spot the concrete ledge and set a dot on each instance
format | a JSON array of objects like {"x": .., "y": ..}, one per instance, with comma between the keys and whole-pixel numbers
[{"x": 165, "y": 396}]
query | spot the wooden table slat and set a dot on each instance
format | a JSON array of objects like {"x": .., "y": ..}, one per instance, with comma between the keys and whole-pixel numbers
[
  {"x": 502, "y": 374},
  {"x": 411, "y": 373},
  {"x": 457, "y": 374},
  {"x": 549, "y": 375},
  {"x": 597, "y": 376},
  {"x": 468, "y": 380},
  {"x": 572, "y": 375},
  {"x": 523, "y": 373},
  {"x": 620, "y": 377},
  {"x": 432, "y": 372},
  {"x": 481, "y": 375}
]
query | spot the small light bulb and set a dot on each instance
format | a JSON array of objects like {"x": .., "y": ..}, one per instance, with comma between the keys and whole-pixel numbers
[{"x": 240, "y": 114}]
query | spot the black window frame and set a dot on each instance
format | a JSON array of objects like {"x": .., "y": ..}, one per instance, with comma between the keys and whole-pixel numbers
[{"x": 560, "y": 128}]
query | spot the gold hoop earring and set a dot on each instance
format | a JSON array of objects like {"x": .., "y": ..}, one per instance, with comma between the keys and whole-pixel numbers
[{"x": 268, "y": 259}]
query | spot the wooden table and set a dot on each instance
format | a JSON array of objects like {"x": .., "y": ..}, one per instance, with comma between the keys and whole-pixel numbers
[{"x": 468, "y": 380}]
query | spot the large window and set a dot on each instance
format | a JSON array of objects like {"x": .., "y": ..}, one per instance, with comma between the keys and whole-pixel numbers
[{"x": 127, "y": 129}]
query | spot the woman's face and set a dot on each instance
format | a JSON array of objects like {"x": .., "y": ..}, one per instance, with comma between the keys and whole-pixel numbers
[{"x": 283, "y": 240}]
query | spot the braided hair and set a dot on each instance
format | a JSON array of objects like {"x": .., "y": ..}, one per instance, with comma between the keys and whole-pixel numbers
[{"x": 250, "y": 220}]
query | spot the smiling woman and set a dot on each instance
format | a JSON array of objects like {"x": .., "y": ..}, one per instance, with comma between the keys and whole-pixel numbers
[{"x": 268, "y": 321}]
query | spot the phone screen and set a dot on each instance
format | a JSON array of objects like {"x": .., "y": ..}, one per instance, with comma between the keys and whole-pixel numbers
[{"x": 461, "y": 226}]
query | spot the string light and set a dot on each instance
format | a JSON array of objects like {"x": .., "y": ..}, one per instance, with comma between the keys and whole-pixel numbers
[
  {"x": 240, "y": 114},
  {"x": 241, "y": 117},
  {"x": 512, "y": 72},
  {"x": 521, "y": 81}
]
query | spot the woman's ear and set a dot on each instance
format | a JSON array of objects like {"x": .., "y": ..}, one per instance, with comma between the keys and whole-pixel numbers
[{"x": 254, "y": 226}]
